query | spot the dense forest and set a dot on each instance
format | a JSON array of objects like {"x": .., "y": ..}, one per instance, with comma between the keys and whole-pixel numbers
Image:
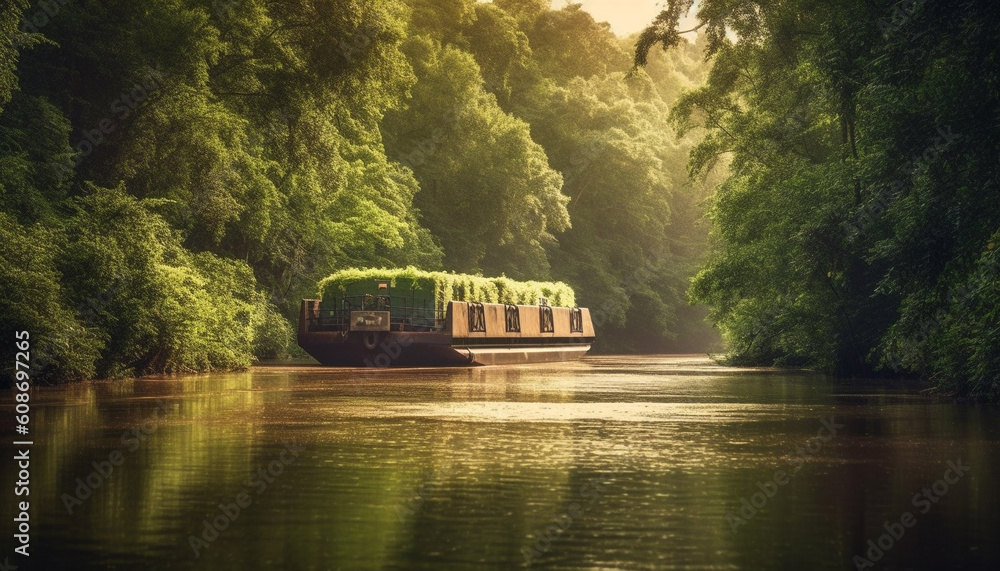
[
  {"x": 857, "y": 228},
  {"x": 175, "y": 175}
]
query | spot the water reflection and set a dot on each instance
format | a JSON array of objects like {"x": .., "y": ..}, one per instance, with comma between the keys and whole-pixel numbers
[{"x": 608, "y": 463}]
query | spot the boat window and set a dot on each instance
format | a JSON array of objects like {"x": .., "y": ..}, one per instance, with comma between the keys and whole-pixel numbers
[
  {"x": 546, "y": 323},
  {"x": 477, "y": 318},
  {"x": 576, "y": 320},
  {"x": 513, "y": 318}
]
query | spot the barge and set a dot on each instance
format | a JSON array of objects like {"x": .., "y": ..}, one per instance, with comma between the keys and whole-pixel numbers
[{"x": 411, "y": 318}]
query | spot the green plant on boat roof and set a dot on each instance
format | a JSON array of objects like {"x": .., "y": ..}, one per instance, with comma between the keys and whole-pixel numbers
[{"x": 443, "y": 287}]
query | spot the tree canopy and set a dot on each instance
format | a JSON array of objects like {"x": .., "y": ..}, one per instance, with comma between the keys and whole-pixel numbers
[
  {"x": 856, "y": 230},
  {"x": 175, "y": 175}
]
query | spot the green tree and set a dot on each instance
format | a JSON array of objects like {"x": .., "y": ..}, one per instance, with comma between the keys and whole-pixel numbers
[
  {"x": 36, "y": 138},
  {"x": 568, "y": 43},
  {"x": 624, "y": 254},
  {"x": 61, "y": 346},
  {"x": 154, "y": 306},
  {"x": 262, "y": 139},
  {"x": 857, "y": 217},
  {"x": 189, "y": 166},
  {"x": 487, "y": 192},
  {"x": 443, "y": 20},
  {"x": 501, "y": 50},
  {"x": 12, "y": 39}
]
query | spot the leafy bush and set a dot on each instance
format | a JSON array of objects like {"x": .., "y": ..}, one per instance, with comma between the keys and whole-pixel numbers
[
  {"x": 445, "y": 287},
  {"x": 61, "y": 347},
  {"x": 951, "y": 334},
  {"x": 156, "y": 307}
]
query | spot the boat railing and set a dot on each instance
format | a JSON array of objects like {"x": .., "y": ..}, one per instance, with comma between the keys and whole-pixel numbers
[{"x": 402, "y": 316}]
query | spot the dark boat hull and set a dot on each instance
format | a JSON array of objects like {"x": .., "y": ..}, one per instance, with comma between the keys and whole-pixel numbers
[
  {"x": 468, "y": 334},
  {"x": 421, "y": 349}
]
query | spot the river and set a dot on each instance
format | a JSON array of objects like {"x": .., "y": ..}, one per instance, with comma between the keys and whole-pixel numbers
[{"x": 663, "y": 462}]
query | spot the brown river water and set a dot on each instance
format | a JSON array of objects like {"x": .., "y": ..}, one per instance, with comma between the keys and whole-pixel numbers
[{"x": 656, "y": 462}]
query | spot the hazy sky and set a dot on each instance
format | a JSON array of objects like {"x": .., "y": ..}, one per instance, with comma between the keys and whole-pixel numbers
[{"x": 625, "y": 16}]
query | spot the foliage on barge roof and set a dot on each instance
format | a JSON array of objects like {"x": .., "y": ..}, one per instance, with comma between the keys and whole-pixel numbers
[{"x": 445, "y": 287}]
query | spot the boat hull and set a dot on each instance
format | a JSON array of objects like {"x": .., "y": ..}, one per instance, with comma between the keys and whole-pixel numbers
[
  {"x": 372, "y": 341},
  {"x": 414, "y": 349},
  {"x": 527, "y": 355}
]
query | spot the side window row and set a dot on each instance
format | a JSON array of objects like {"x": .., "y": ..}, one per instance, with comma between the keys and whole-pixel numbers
[{"x": 512, "y": 319}]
